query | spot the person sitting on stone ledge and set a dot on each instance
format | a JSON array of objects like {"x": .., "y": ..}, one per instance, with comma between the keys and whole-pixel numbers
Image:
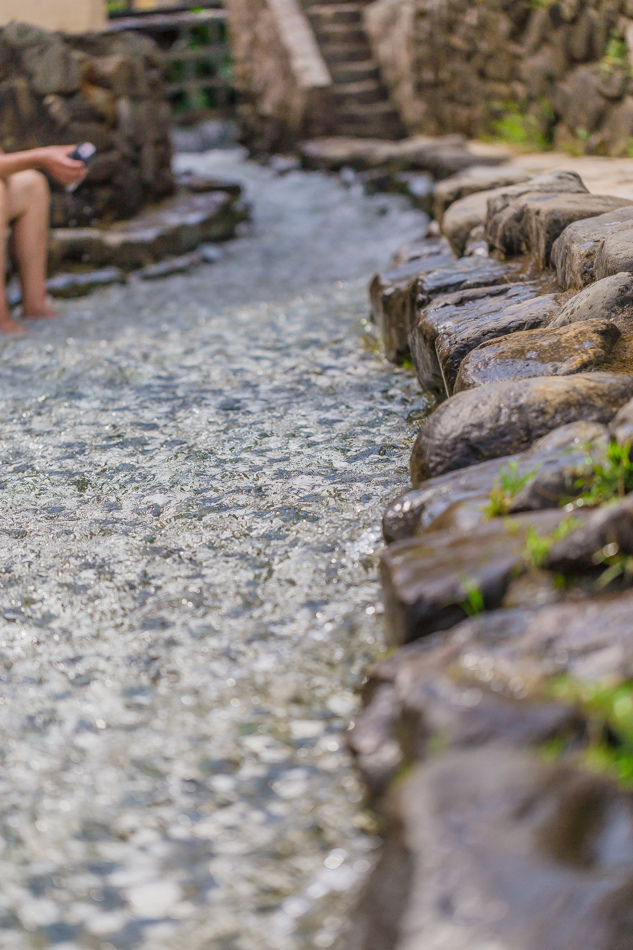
[{"x": 24, "y": 208}]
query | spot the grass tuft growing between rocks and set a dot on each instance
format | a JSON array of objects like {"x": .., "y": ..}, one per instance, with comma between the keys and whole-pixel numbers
[
  {"x": 606, "y": 480},
  {"x": 538, "y": 546},
  {"x": 474, "y": 601},
  {"x": 609, "y": 712},
  {"x": 506, "y": 486}
]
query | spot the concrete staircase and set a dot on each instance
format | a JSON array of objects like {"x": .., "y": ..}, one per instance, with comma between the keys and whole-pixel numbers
[{"x": 361, "y": 100}]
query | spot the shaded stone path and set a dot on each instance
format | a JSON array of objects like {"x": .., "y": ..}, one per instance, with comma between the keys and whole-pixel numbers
[{"x": 193, "y": 474}]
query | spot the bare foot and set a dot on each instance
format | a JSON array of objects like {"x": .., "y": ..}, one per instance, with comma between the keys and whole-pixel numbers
[
  {"x": 7, "y": 325},
  {"x": 40, "y": 312}
]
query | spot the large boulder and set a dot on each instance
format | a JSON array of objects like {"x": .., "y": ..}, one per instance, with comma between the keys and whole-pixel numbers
[
  {"x": 578, "y": 254},
  {"x": 468, "y": 317},
  {"x": 477, "y": 178},
  {"x": 578, "y": 348},
  {"x": 505, "y": 229},
  {"x": 501, "y": 418},
  {"x": 554, "y": 463}
]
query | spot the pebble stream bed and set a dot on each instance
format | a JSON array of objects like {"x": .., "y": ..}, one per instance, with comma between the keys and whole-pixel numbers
[{"x": 193, "y": 472}]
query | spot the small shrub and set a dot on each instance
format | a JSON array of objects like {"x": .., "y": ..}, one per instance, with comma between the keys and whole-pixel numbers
[{"x": 616, "y": 55}]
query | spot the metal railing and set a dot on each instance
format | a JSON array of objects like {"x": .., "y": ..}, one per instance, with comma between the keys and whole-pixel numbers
[{"x": 194, "y": 43}]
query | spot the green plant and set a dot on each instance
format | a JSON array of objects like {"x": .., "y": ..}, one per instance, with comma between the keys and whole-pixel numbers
[
  {"x": 516, "y": 128},
  {"x": 609, "y": 710},
  {"x": 607, "y": 479},
  {"x": 474, "y": 602},
  {"x": 538, "y": 546},
  {"x": 508, "y": 484},
  {"x": 616, "y": 55}
]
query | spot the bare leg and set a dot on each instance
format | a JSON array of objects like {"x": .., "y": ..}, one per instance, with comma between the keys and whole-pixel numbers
[
  {"x": 7, "y": 325},
  {"x": 28, "y": 209}
]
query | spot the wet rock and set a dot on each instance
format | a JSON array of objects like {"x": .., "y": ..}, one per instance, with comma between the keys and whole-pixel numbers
[
  {"x": 477, "y": 178},
  {"x": 578, "y": 254},
  {"x": 621, "y": 427},
  {"x": 391, "y": 296},
  {"x": 557, "y": 459},
  {"x": 502, "y": 418},
  {"x": 199, "y": 184},
  {"x": 427, "y": 580},
  {"x": 441, "y": 156},
  {"x": 475, "y": 310},
  {"x": 476, "y": 245},
  {"x": 456, "y": 339},
  {"x": 418, "y": 187},
  {"x": 175, "y": 228},
  {"x": 555, "y": 478},
  {"x": 83, "y": 283},
  {"x": 425, "y": 247},
  {"x": 173, "y": 265},
  {"x": 610, "y": 298},
  {"x": 465, "y": 832},
  {"x": 578, "y": 348},
  {"x": 505, "y": 228},
  {"x": 607, "y": 532}
]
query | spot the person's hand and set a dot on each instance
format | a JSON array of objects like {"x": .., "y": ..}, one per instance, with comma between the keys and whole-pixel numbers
[{"x": 56, "y": 160}]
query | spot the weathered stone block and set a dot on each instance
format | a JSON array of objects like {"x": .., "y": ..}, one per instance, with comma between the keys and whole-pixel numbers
[
  {"x": 578, "y": 348},
  {"x": 502, "y": 418},
  {"x": 575, "y": 254},
  {"x": 448, "y": 328}
]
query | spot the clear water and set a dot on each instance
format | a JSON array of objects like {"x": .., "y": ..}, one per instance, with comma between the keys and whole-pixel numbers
[{"x": 193, "y": 473}]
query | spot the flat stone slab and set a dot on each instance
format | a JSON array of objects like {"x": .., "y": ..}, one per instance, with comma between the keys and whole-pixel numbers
[
  {"x": 555, "y": 461},
  {"x": 545, "y": 217},
  {"x": 441, "y": 156},
  {"x": 502, "y": 418},
  {"x": 174, "y": 228},
  {"x": 578, "y": 348},
  {"x": 454, "y": 324},
  {"x": 477, "y": 178},
  {"x": 587, "y": 251}
]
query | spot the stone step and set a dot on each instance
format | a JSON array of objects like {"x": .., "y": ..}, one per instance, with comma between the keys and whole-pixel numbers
[
  {"x": 343, "y": 73},
  {"x": 340, "y": 52},
  {"x": 340, "y": 33},
  {"x": 359, "y": 93},
  {"x": 344, "y": 13}
]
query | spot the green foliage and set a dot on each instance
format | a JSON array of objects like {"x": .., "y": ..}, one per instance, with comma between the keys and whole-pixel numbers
[
  {"x": 609, "y": 710},
  {"x": 506, "y": 486},
  {"x": 538, "y": 546},
  {"x": 607, "y": 479},
  {"x": 514, "y": 127},
  {"x": 474, "y": 602},
  {"x": 616, "y": 55}
]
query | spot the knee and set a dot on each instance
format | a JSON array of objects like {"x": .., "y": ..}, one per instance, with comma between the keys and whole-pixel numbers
[{"x": 32, "y": 183}]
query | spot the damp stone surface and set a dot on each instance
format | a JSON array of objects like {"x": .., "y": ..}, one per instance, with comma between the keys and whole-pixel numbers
[{"x": 193, "y": 472}]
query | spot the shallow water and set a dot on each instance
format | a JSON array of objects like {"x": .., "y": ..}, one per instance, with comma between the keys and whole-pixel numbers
[{"x": 193, "y": 475}]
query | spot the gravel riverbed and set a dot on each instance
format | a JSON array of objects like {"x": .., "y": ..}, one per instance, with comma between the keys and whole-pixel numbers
[{"x": 193, "y": 473}]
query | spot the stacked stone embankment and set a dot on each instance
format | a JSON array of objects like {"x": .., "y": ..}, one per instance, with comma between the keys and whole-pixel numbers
[
  {"x": 556, "y": 71},
  {"x": 103, "y": 88},
  {"x": 497, "y": 738}
]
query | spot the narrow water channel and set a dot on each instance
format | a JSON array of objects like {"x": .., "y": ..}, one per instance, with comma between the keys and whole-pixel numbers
[{"x": 193, "y": 473}]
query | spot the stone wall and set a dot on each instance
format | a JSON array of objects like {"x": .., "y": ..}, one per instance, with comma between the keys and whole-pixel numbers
[
  {"x": 535, "y": 73},
  {"x": 279, "y": 73},
  {"x": 102, "y": 88}
]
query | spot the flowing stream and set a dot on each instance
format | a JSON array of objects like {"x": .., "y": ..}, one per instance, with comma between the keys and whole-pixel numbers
[{"x": 193, "y": 472}]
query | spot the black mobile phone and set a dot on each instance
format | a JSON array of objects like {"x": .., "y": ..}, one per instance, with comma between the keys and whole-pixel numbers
[{"x": 84, "y": 152}]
